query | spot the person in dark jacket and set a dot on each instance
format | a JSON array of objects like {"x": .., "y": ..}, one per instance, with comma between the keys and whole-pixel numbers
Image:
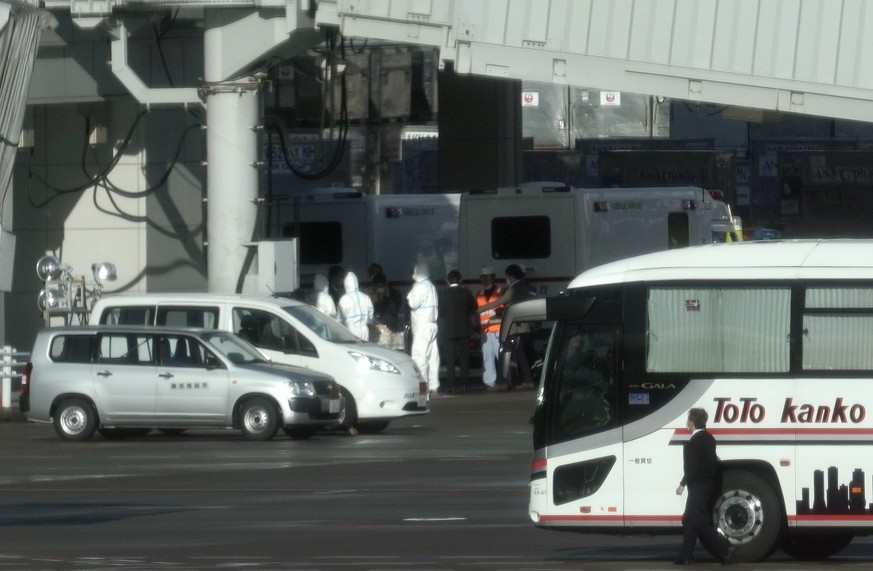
[
  {"x": 458, "y": 314},
  {"x": 700, "y": 473}
]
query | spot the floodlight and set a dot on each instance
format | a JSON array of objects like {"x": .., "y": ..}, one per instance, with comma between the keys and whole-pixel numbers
[
  {"x": 49, "y": 268},
  {"x": 103, "y": 272},
  {"x": 48, "y": 299}
]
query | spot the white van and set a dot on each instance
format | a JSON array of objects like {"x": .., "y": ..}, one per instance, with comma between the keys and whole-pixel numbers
[{"x": 379, "y": 384}]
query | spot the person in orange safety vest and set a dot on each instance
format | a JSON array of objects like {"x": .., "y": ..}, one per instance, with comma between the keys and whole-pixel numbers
[{"x": 489, "y": 323}]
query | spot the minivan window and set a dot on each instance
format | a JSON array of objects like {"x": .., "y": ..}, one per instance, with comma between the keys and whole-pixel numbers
[
  {"x": 125, "y": 348},
  {"x": 181, "y": 351},
  {"x": 71, "y": 349}
]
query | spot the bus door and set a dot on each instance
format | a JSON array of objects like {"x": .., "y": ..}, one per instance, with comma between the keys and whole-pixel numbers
[{"x": 582, "y": 416}]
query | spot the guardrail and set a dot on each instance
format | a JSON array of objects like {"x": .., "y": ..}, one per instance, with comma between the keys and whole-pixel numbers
[{"x": 13, "y": 363}]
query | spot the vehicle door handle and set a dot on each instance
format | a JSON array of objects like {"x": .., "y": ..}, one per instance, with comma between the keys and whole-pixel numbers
[
  {"x": 104, "y": 373},
  {"x": 165, "y": 375}
]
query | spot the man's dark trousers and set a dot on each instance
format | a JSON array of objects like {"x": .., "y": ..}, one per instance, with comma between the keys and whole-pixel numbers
[
  {"x": 697, "y": 522},
  {"x": 457, "y": 350}
]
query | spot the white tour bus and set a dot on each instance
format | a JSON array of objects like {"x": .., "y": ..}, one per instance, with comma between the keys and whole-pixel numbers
[{"x": 773, "y": 339}]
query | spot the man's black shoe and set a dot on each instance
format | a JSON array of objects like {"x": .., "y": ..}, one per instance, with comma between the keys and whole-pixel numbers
[{"x": 729, "y": 558}]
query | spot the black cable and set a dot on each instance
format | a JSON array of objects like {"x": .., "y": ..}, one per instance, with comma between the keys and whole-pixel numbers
[
  {"x": 101, "y": 178},
  {"x": 158, "y": 38},
  {"x": 104, "y": 181},
  {"x": 276, "y": 125},
  {"x": 119, "y": 213}
]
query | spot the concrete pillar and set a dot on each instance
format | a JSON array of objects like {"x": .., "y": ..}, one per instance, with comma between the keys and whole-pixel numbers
[{"x": 232, "y": 113}]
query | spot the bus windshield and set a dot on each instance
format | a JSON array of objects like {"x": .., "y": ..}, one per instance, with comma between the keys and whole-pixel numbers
[{"x": 584, "y": 386}]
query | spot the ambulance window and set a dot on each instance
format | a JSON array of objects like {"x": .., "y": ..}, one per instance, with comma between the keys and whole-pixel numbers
[
  {"x": 677, "y": 228},
  {"x": 521, "y": 237},
  {"x": 320, "y": 242}
]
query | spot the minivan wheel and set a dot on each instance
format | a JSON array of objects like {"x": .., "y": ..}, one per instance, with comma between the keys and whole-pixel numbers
[
  {"x": 259, "y": 419},
  {"x": 75, "y": 420}
]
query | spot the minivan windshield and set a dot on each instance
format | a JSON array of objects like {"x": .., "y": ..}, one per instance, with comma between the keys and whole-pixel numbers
[
  {"x": 237, "y": 351},
  {"x": 325, "y": 327}
]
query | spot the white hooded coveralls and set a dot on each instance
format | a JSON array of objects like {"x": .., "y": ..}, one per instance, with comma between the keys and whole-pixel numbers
[
  {"x": 423, "y": 303},
  {"x": 355, "y": 308},
  {"x": 321, "y": 296}
]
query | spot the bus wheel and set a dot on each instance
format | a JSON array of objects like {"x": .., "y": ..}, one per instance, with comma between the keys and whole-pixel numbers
[
  {"x": 748, "y": 512},
  {"x": 817, "y": 548}
]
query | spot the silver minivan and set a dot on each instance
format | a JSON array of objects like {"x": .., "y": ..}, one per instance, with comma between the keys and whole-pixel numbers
[
  {"x": 125, "y": 381},
  {"x": 379, "y": 384}
]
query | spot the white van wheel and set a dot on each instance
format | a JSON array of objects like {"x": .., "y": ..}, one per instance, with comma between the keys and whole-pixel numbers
[
  {"x": 349, "y": 416},
  {"x": 259, "y": 419},
  {"x": 75, "y": 420}
]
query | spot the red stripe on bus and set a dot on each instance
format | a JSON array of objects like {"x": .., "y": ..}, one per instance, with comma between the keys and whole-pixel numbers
[
  {"x": 779, "y": 431},
  {"x": 662, "y": 518},
  {"x": 832, "y": 517}
]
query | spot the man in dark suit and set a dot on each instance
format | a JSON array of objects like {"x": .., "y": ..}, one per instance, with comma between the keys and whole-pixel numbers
[
  {"x": 700, "y": 465},
  {"x": 458, "y": 313}
]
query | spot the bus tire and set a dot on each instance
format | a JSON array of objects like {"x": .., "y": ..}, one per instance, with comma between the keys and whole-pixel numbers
[
  {"x": 750, "y": 515},
  {"x": 817, "y": 548}
]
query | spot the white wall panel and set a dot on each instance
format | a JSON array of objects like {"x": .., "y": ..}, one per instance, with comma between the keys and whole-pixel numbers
[
  {"x": 692, "y": 33},
  {"x": 809, "y": 56},
  {"x": 734, "y": 36},
  {"x": 650, "y": 36}
]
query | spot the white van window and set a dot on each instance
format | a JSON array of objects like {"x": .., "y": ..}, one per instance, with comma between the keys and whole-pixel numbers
[
  {"x": 188, "y": 316},
  {"x": 266, "y": 330},
  {"x": 320, "y": 324},
  {"x": 230, "y": 347},
  {"x": 130, "y": 315}
]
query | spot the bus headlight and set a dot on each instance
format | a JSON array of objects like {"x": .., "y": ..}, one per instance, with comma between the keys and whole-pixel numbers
[
  {"x": 301, "y": 388},
  {"x": 368, "y": 362}
]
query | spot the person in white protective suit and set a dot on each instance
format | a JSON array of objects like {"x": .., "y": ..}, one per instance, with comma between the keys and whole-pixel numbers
[
  {"x": 423, "y": 303},
  {"x": 321, "y": 296},
  {"x": 355, "y": 308}
]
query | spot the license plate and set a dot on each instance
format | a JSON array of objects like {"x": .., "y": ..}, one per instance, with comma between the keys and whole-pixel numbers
[{"x": 422, "y": 394}]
